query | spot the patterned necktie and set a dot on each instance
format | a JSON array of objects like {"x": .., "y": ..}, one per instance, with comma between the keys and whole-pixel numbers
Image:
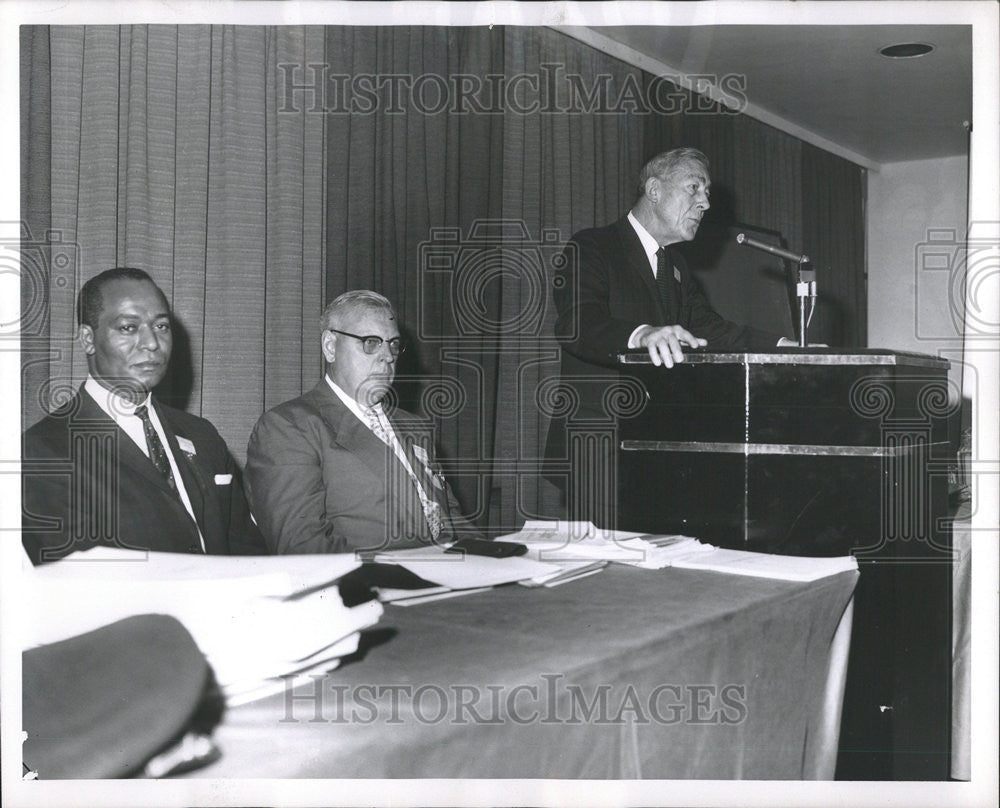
[
  {"x": 155, "y": 446},
  {"x": 665, "y": 284},
  {"x": 432, "y": 511}
]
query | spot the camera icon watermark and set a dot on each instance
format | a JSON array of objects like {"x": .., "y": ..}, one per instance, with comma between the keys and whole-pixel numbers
[
  {"x": 964, "y": 273},
  {"x": 493, "y": 282},
  {"x": 30, "y": 269}
]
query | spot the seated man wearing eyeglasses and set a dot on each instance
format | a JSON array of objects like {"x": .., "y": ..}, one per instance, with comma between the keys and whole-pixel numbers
[{"x": 339, "y": 469}]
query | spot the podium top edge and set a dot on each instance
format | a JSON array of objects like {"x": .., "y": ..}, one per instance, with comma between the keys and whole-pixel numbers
[{"x": 799, "y": 356}]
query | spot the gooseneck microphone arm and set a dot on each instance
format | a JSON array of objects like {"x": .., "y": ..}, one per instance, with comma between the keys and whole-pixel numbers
[
  {"x": 788, "y": 255},
  {"x": 806, "y": 286}
]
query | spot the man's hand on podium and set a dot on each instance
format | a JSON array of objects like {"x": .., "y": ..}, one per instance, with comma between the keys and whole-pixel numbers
[{"x": 664, "y": 343}]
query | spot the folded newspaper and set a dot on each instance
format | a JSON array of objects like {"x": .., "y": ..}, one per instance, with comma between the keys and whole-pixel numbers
[{"x": 257, "y": 619}]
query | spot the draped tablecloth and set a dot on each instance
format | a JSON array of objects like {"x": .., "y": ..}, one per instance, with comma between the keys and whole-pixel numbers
[{"x": 626, "y": 674}]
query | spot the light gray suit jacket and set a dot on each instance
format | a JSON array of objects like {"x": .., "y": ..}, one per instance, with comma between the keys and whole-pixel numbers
[{"x": 319, "y": 481}]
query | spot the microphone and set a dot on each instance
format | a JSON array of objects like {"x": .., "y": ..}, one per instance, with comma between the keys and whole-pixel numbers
[{"x": 788, "y": 255}]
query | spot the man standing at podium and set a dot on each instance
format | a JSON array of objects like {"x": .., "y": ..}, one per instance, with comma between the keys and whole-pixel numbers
[{"x": 627, "y": 288}]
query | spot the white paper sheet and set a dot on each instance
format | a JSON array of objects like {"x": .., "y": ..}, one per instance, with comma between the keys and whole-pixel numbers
[
  {"x": 766, "y": 565},
  {"x": 456, "y": 571}
]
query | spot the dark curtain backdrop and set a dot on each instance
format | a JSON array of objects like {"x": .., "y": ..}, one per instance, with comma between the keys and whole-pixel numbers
[
  {"x": 833, "y": 236},
  {"x": 405, "y": 186},
  {"x": 224, "y": 160},
  {"x": 163, "y": 147}
]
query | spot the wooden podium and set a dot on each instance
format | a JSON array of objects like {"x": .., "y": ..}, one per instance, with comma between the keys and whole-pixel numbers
[{"x": 817, "y": 452}]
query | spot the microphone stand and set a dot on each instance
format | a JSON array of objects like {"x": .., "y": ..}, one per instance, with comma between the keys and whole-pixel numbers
[{"x": 805, "y": 287}]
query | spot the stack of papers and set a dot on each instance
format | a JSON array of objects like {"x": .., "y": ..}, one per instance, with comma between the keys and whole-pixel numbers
[
  {"x": 568, "y": 571},
  {"x": 257, "y": 619},
  {"x": 563, "y": 542},
  {"x": 456, "y": 574},
  {"x": 766, "y": 565},
  {"x": 568, "y": 543},
  {"x": 572, "y": 545}
]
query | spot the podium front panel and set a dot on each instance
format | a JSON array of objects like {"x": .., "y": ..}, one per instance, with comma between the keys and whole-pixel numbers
[{"x": 817, "y": 452}]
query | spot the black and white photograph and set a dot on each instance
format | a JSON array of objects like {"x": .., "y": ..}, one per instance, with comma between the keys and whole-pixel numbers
[{"x": 500, "y": 404}]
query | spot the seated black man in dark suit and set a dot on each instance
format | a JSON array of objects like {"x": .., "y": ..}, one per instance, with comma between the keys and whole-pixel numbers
[{"x": 116, "y": 467}]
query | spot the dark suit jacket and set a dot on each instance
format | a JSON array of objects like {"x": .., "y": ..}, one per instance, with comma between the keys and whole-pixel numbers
[
  {"x": 604, "y": 291},
  {"x": 320, "y": 482},
  {"x": 85, "y": 482}
]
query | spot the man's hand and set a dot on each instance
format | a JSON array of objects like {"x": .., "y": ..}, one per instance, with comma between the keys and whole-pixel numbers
[{"x": 664, "y": 343}]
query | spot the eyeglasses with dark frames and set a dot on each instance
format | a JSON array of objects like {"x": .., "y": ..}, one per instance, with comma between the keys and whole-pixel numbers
[{"x": 371, "y": 343}]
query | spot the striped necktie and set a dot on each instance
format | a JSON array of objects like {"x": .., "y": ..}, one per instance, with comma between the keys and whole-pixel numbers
[{"x": 432, "y": 511}]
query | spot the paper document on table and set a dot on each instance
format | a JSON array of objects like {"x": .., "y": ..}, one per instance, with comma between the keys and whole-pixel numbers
[
  {"x": 766, "y": 565},
  {"x": 581, "y": 541},
  {"x": 416, "y": 600},
  {"x": 457, "y": 571},
  {"x": 574, "y": 541},
  {"x": 250, "y": 629},
  {"x": 388, "y": 594},
  {"x": 664, "y": 551},
  {"x": 246, "y": 690},
  {"x": 279, "y": 576},
  {"x": 568, "y": 571}
]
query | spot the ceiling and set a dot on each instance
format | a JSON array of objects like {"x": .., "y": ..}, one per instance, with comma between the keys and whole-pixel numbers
[{"x": 831, "y": 80}]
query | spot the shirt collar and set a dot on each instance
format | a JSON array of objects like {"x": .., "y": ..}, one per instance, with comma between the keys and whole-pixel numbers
[
  {"x": 114, "y": 405},
  {"x": 648, "y": 242},
  {"x": 349, "y": 402}
]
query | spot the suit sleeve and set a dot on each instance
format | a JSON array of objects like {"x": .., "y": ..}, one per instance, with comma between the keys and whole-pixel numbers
[
  {"x": 45, "y": 497},
  {"x": 585, "y": 326},
  {"x": 286, "y": 487}
]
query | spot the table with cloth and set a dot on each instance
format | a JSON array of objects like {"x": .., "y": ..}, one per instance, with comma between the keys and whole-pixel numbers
[{"x": 630, "y": 673}]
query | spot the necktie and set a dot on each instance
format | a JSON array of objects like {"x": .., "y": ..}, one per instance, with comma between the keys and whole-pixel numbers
[
  {"x": 432, "y": 511},
  {"x": 665, "y": 284},
  {"x": 155, "y": 446}
]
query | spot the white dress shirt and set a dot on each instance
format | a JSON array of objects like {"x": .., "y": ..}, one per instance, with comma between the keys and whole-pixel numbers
[{"x": 122, "y": 412}]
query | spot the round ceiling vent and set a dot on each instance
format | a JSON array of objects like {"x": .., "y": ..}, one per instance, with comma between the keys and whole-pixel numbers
[{"x": 906, "y": 50}]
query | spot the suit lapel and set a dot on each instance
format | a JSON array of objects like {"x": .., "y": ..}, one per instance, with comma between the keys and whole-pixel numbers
[
  {"x": 350, "y": 434},
  {"x": 130, "y": 456},
  {"x": 675, "y": 285},
  {"x": 410, "y": 434},
  {"x": 195, "y": 485},
  {"x": 638, "y": 264},
  {"x": 413, "y": 435},
  {"x": 356, "y": 438},
  {"x": 131, "y": 459}
]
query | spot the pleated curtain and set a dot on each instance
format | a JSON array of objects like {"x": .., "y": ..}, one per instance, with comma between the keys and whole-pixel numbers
[
  {"x": 167, "y": 151},
  {"x": 228, "y": 162}
]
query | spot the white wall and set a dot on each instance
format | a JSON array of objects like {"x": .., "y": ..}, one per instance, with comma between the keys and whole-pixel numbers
[{"x": 916, "y": 211}]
